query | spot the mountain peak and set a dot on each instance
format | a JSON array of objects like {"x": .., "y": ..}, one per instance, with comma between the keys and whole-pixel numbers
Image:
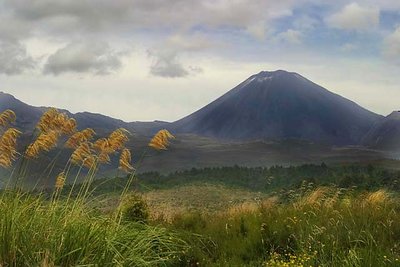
[
  {"x": 264, "y": 76},
  {"x": 272, "y": 73},
  {"x": 280, "y": 105}
]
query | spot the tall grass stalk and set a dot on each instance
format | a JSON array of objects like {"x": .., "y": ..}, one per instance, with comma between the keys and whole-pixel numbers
[{"x": 38, "y": 231}]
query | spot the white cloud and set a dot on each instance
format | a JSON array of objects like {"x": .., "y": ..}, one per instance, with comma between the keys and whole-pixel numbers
[
  {"x": 348, "y": 47},
  {"x": 355, "y": 17},
  {"x": 305, "y": 23},
  {"x": 391, "y": 48},
  {"x": 257, "y": 30},
  {"x": 388, "y": 5},
  {"x": 290, "y": 36},
  {"x": 193, "y": 42}
]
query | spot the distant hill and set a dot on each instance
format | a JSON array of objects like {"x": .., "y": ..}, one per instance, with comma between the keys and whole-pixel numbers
[
  {"x": 28, "y": 116},
  {"x": 280, "y": 105},
  {"x": 385, "y": 134}
]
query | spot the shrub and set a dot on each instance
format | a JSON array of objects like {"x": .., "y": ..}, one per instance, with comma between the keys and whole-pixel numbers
[{"x": 134, "y": 208}]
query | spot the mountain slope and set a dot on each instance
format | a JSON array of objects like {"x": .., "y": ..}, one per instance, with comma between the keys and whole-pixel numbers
[
  {"x": 280, "y": 105},
  {"x": 385, "y": 134}
]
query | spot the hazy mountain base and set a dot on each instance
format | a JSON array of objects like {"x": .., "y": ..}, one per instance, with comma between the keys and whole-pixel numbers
[
  {"x": 273, "y": 180},
  {"x": 190, "y": 151}
]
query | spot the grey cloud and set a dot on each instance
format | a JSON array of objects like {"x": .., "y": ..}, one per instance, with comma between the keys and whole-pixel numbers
[
  {"x": 64, "y": 20},
  {"x": 41, "y": 9},
  {"x": 102, "y": 15},
  {"x": 196, "y": 69},
  {"x": 13, "y": 29},
  {"x": 14, "y": 58},
  {"x": 166, "y": 65},
  {"x": 166, "y": 55},
  {"x": 70, "y": 17},
  {"x": 84, "y": 57}
]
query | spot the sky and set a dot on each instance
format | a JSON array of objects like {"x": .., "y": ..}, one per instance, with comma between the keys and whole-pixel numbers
[{"x": 144, "y": 60}]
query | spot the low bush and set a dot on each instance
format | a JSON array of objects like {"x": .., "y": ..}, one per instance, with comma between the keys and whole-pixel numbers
[{"x": 134, "y": 209}]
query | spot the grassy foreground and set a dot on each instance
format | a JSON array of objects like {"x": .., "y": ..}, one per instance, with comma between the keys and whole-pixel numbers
[
  {"x": 55, "y": 227},
  {"x": 323, "y": 227},
  {"x": 36, "y": 232}
]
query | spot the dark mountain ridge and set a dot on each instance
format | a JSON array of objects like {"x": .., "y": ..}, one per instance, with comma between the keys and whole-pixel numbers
[{"x": 28, "y": 116}]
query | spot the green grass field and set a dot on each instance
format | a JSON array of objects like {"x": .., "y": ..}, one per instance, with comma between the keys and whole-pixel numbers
[
  {"x": 325, "y": 226},
  {"x": 304, "y": 226},
  {"x": 204, "y": 224}
]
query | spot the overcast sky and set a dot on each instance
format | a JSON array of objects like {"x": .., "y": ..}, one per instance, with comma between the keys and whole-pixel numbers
[{"x": 159, "y": 59}]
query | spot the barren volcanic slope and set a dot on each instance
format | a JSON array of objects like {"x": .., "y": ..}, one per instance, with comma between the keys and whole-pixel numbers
[{"x": 280, "y": 105}]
